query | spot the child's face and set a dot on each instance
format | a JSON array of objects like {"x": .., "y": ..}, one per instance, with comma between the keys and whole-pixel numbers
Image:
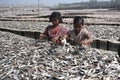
[
  {"x": 55, "y": 21},
  {"x": 78, "y": 27}
]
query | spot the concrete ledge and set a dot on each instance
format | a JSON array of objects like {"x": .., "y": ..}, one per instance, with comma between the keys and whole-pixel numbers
[
  {"x": 26, "y": 33},
  {"x": 105, "y": 44}
]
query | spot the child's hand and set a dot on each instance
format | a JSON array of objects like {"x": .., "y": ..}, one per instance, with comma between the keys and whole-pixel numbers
[
  {"x": 41, "y": 36},
  {"x": 55, "y": 39},
  {"x": 85, "y": 42}
]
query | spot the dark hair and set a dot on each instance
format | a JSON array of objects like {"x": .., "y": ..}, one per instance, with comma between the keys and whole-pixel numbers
[
  {"x": 78, "y": 19},
  {"x": 56, "y": 15}
]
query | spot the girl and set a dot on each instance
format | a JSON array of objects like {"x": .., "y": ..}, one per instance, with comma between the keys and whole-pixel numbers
[{"x": 55, "y": 31}]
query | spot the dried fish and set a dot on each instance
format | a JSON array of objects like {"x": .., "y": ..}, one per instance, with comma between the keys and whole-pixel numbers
[{"x": 20, "y": 59}]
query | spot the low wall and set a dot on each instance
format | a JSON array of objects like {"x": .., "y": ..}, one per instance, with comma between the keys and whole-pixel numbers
[
  {"x": 97, "y": 43},
  {"x": 26, "y": 33},
  {"x": 105, "y": 44}
]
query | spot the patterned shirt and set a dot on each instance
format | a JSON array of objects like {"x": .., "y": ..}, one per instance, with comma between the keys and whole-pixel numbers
[{"x": 51, "y": 32}]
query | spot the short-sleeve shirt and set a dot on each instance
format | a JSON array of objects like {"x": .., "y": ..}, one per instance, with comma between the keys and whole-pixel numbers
[{"x": 80, "y": 37}]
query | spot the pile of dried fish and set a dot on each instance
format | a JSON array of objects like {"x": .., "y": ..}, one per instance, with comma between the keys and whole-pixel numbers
[
  {"x": 98, "y": 31},
  {"x": 24, "y": 58},
  {"x": 28, "y": 25},
  {"x": 105, "y": 31}
]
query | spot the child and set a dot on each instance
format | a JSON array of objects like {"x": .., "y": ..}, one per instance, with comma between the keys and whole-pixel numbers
[
  {"x": 79, "y": 35},
  {"x": 55, "y": 31}
]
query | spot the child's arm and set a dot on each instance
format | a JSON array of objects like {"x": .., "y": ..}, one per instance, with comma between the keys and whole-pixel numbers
[
  {"x": 44, "y": 34},
  {"x": 87, "y": 40},
  {"x": 65, "y": 36},
  {"x": 55, "y": 39}
]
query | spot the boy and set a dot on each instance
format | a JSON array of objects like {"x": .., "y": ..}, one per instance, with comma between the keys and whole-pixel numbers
[{"x": 79, "y": 35}]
